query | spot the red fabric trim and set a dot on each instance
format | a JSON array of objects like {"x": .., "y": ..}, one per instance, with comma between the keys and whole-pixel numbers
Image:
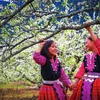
[
  {"x": 76, "y": 95},
  {"x": 80, "y": 72},
  {"x": 47, "y": 93}
]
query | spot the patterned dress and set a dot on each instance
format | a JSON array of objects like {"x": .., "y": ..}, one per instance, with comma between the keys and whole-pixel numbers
[
  {"x": 54, "y": 79},
  {"x": 88, "y": 87}
]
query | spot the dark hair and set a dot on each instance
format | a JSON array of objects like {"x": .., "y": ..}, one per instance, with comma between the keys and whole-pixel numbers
[
  {"x": 90, "y": 38},
  {"x": 45, "y": 51}
]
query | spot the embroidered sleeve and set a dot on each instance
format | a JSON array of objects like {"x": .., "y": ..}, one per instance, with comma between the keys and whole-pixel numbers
[
  {"x": 39, "y": 59},
  {"x": 64, "y": 78},
  {"x": 80, "y": 72},
  {"x": 97, "y": 44}
]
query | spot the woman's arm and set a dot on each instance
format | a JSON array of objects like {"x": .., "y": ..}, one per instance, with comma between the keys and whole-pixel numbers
[
  {"x": 78, "y": 76},
  {"x": 73, "y": 85},
  {"x": 93, "y": 36},
  {"x": 41, "y": 45},
  {"x": 80, "y": 72},
  {"x": 64, "y": 78},
  {"x": 39, "y": 59}
]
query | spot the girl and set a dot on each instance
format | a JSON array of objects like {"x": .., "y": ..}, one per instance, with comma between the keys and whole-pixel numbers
[
  {"x": 87, "y": 87},
  {"x": 53, "y": 74}
]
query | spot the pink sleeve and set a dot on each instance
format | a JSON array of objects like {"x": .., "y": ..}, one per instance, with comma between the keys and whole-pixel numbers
[
  {"x": 80, "y": 72},
  {"x": 64, "y": 78},
  {"x": 39, "y": 59},
  {"x": 97, "y": 44}
]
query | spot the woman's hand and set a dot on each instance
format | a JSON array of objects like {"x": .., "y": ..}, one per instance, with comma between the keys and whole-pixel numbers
[
  {"x": 88, "y": 27},
  {"x": 73, "y": 85},
  {"x": 42, "y": 42}
]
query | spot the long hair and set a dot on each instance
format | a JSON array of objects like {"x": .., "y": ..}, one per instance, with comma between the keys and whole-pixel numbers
[{"x": 45, "y": 51}]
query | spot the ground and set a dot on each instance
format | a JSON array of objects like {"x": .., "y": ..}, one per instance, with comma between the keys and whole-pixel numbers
[
  {"x": 18, "y": 94},
  {"x": 29, "y": 92}
]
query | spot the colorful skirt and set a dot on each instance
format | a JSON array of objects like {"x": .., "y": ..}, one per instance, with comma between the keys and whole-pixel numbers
[
  {"x": 87, "y": 89},
  {"x": 52, "y": 92}
]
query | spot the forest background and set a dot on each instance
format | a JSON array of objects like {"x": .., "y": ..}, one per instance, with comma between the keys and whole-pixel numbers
[{"x": 24, "y": 22}]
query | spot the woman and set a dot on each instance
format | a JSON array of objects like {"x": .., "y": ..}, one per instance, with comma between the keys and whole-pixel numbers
[
  {"x": 87, "y": 79},
  {"x": 54, "y": 77}
]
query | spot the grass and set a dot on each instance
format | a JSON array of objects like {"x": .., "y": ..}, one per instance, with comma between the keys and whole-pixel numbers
[
  {"x": 11, "y": 85},
  {"x": 20, "y": 91}
]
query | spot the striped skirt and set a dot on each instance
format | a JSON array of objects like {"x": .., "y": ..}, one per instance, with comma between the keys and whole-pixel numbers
[
  {"x": 87, "y": 90},
  {"x": 48, "y": 92}
]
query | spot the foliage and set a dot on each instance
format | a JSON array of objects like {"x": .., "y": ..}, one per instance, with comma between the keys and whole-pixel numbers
[{"x": 21, "y": 28}]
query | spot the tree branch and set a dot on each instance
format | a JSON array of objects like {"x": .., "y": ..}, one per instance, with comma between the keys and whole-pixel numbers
[
  {"x": 81, "y": 26},
  {"x": 11, "y": 16},
  {"x": 80, "y": 11},
  {"x": 54, "y": 33}
]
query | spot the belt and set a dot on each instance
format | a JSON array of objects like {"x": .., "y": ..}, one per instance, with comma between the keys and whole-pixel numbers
[
  {"x": 92, "y": 75},
  {"x": 52, "y": 82}
]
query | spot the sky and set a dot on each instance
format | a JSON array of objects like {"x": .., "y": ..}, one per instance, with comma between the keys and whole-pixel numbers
[{"x": 58, "y": 3}]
